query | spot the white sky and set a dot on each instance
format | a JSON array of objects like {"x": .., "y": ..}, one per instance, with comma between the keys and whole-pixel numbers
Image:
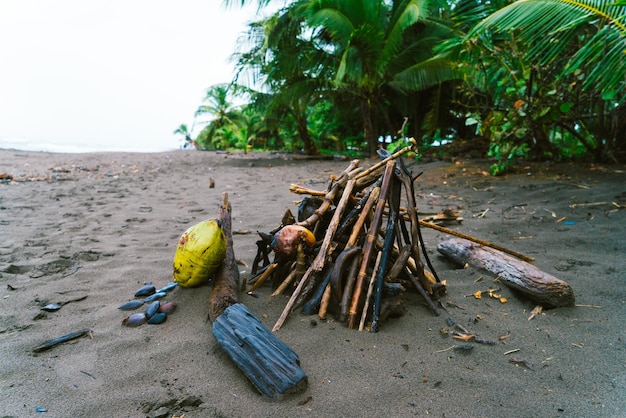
[{"x": 110, "y": 74}]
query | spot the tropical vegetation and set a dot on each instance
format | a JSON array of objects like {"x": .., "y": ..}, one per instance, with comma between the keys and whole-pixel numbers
[{"x": 540, "y": 79}]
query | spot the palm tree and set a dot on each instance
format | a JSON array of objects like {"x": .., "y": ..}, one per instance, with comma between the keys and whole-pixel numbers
[
  {"x": 287, "y": 66},
  {"x": 366, "y": 49},
  {"x": 225, "y": 116},
  {"x": 375, "y": 52},
  {"x": 183, "y": 131}
]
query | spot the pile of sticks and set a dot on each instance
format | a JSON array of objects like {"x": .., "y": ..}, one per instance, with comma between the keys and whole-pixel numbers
[{"x": 368, "y": 249}]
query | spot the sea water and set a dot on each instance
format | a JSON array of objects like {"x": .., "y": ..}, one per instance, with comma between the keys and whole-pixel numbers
[{"x": 22, "y": 144}]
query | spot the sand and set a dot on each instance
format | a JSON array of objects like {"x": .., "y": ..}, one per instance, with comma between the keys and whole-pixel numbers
[{"x": 90, "y": 229}]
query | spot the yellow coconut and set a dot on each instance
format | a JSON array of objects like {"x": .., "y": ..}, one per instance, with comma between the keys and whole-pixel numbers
[{"x": 199, "y": 253}]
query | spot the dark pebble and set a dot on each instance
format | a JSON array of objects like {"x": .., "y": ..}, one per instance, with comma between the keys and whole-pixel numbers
[
  {"x": 158, "y": 318},
  {"x": 152, "y": 309},
  {"x": 130, "y": 305},
  {"x": 168, "y": 307},
  {"x": 135, "y": 320},
  {"x": 145, "y": 291},
  {"x": 155, "y": 297},
  {"x": 168, "y": 287}
]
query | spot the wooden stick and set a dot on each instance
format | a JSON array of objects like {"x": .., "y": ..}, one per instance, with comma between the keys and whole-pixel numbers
[
  {"x": 386, "y": 252},
  {"x": 348, "y": 288},
  {"x": 420, "y": 289},
  {"x": 324, "y": 303},
  {"x": 313, "y": 304},
  {"x": 337, "y": 272},
  {"x": 363, "y": 216},
  {"x": 400, "y": 263},
  {"x": 386, "y": 160},
  {"x": 369, "y": 245},
  {"x": 320, "y": 258},
  {"x": 415, "y": 233},
  {"x": 330, "y": 196},
  {"x": 262, "y": 277},
  {"x": 349, "y": 221},
  {"x": 297, "y": 189},
  {"x": 370, "y": 290},
  {"x": 296, "y": 274},
  {"x": 285, "y": 283},
  {"x": 476, "y": 240},
  {"x": 366, "y": 181}
]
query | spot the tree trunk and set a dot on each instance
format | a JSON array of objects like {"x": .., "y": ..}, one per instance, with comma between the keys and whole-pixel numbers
[
  {"x": 305, "y": 137},
  {"x": 303, "y": 132},
  {"x": 543, "y": 146},
  {"x": 369, "y": 128}
]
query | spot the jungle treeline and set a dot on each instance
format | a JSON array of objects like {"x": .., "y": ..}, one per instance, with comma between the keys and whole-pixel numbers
[{"x": 533, "y": 79}]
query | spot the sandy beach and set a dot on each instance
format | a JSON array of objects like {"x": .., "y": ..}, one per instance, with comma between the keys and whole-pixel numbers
[{"x": 87, "y": 230}]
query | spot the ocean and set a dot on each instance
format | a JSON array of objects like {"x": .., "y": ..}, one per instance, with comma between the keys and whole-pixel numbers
[{"x": 27, "y": 145}]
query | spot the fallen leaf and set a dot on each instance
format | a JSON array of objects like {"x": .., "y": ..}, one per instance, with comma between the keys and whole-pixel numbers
[
  {"x": 463, "y": 337},
  {"x": 536, "y": 311}
]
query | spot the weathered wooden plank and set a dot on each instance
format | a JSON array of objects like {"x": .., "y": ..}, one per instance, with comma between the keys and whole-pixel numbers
[
  {"x": 266, "y": 361},
  {"x": 536, "y": 284}
]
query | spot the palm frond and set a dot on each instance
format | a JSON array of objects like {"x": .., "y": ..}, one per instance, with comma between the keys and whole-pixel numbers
[
  {"x": 412, "y": 12},
  {"x": 424, "y": 75},
  {"x": 594, "y": 29},
  {"x": 336, "y": 23}
]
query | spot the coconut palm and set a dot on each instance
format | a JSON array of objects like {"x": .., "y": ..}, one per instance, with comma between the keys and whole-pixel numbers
[
  {"x": 551, "y": 27},
  {"x": 369, "y": 53},
  {"x": 377, "y": 52},
  {"x": 287, "y": 66},
  {"x": 224, "y": 115},
  {"x": 185, "y": 133}
]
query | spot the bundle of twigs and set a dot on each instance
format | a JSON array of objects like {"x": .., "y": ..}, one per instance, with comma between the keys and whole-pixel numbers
[{"x": 367, "y": 249}]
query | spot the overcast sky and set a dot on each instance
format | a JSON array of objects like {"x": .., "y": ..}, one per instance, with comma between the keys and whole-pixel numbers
[{"x": 110, "y": 75}]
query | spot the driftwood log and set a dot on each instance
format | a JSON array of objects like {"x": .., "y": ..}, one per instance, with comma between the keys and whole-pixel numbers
[
  {"x": 527, "y": 279},
  {"x": 266, "y": 361}
]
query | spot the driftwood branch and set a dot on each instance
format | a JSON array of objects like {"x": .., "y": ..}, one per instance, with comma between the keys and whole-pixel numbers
[
  {"x": 537, "y": 285},
  {"x": 226, "y": 288},
  {"x": 330, "y": 196}
]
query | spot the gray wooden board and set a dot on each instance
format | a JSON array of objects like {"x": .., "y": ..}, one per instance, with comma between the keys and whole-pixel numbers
[{"x": 269, "y": 363}]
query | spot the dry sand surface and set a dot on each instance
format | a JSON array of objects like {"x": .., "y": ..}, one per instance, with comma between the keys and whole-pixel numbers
[{"x": 87, "y": 230}]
